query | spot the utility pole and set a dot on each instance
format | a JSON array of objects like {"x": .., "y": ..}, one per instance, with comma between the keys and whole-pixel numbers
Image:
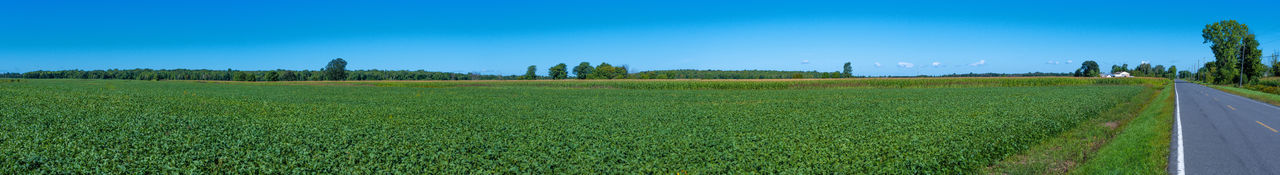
[
  {"x": 1274, "y": 61},
  {"x": 1198, "y": 66}
]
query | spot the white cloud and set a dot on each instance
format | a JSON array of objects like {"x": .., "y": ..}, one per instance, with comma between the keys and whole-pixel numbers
[
  {"x": 878, "y": 64},
  {"x": 1146, "y": 62},
  {"x": 936, "y": 64},
  {"x": 804, "y": 62},
  {"x": 906, "y": 65},
  {"x": 1069, "y": 61},
  {"x": 979, "y": 63},
  {"x": 1053, "y": 62}
]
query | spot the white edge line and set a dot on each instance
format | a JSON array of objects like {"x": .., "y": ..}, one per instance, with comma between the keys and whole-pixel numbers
[{"x": 1182, "y": 166}]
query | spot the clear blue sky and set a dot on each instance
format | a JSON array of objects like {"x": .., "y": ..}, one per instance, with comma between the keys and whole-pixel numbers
[{"x": 504, "y": 37}]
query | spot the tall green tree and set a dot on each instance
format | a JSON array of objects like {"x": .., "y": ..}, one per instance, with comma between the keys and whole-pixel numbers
[
  {"x": 1089, "y": 69},
  {"x": 335, "y": 70},
  {"x": 583, "y": 70},
  {"x": 1228, "y": 44},
  {"x": 531, "y": 73},
  {"x": 558, "y": 72},
  {"x": 1173, "y": 72},
  {"x": 1252, "y": 57},
  {"x": 848, "y": 69},
  {"x": 603, "y": 71}
]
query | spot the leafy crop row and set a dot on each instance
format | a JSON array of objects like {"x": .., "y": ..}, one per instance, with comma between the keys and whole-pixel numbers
[{"x": 112, "y": 126}]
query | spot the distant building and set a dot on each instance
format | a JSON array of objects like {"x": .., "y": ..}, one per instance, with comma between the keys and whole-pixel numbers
[{"x": 1116, "y": 74}]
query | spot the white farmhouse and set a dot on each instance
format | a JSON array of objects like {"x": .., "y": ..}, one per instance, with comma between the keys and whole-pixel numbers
[{"x": 1116, "y": 74}]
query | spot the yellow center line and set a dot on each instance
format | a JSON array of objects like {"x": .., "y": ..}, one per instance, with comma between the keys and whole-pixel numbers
[
  {"x": 1268, "y": 127},
  {"x": 1232, "y": 108}
]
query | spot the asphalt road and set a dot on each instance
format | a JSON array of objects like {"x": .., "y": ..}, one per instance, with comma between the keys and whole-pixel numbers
[{"x": 1222, "y": 133}]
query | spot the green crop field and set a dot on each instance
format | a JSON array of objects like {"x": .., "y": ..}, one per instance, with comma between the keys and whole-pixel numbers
[{"x": 878, "y": 126}]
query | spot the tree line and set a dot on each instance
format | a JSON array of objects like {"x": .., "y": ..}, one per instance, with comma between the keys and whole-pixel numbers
[
  {"x": 1028, "y": 74},
  {"x": 1146, "y": 70},
  {"x": 240, "y": 75},
  {"x": 585, "y": 70},
  {"x": 1091, "y": 69},
  {"x": 334, "y": 71}
]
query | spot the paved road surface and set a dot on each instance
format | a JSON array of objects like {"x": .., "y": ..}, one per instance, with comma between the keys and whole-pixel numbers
[{"x": 1222, "y": 133}]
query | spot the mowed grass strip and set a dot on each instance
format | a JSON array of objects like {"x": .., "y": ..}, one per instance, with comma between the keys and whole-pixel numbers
[
  {"x": 108, "y": 126},
  {"x": 1072, "y": 148},
  {"x": 1143, "y": 147}
]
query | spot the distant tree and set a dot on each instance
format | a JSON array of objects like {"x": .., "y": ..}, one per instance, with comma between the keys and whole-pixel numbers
[
  {"x": 848, "y": 69},
  {"x": 336, "y": 70},
  {"x": 603, "y": 71},
  {"x": 621, "y": 72},
  {"x": 833, "y": 75},
  {"x": 1275, "y": 63},
  {"x": 583, "y": 70},
  {"x": 1143, "y": 69},
  {"x": 288, "y": 75},
  {"x": 240, "y": 76},
  {"x": 1157, "y": 71},
  {"x": 558, "y": 72},
  {"x": 271, "y": 76},
  {"x": 1208, "y": 73},
  {"x": 1090, "y": 69},
  {"x": 1172, "y": 73},
  {"x": 532, "y": 73}
]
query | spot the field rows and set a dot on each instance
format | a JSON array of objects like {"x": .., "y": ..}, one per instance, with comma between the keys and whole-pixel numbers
[{"x": 74, "y": 126}]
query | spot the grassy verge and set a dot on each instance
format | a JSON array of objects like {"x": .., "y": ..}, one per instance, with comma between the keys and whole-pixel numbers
[
  {"x": 1143, "y": 147},
  {"x": 1273, "y": 99},
  {"x": 1067, "y": 151}
]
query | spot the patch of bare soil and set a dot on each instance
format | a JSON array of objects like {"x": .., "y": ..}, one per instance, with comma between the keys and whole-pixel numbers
[{"x": 1111, "y": 125}]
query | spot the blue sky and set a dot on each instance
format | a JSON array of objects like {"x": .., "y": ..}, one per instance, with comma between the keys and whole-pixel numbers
[{"x": 505, "y": 37}]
